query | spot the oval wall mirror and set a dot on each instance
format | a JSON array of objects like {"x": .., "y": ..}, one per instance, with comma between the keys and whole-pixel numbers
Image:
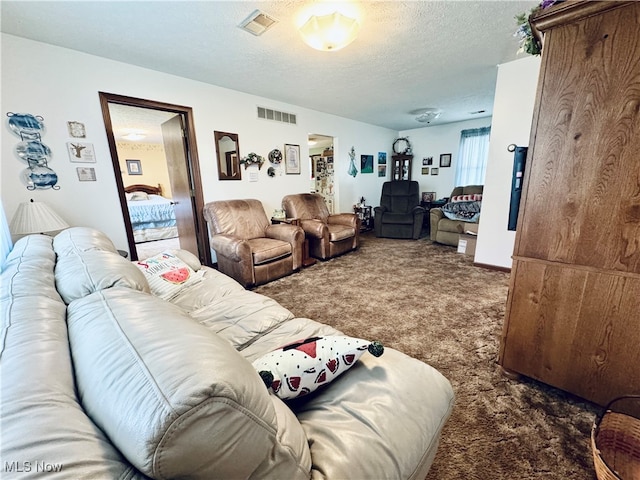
[{"x": 228, "y": 151}]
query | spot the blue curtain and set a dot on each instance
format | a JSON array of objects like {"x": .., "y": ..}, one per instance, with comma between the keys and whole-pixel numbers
[
  {"x": 472, "y": 156},
  {"x": 5, "y": 236}
]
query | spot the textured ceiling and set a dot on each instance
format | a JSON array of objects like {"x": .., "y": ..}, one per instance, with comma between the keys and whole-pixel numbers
[{"x": 408, "y": 55}]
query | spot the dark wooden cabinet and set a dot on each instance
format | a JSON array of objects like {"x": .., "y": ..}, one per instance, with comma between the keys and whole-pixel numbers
[
  {"x": 573, "y": 310},
  {"x": 401, "y": 167}
]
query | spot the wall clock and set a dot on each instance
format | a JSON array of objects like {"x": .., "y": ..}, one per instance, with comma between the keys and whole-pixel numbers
[{"x": 402, "y": 146}]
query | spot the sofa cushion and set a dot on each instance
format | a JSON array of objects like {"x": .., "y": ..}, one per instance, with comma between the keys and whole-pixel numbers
[
  {"x": 93, "y": 270},
  {"x": 167, "y": 274},
  {"x": 398, "y": 218},
  {"x": 302, "y": 367},
  {"x": 177, "y": 406}
]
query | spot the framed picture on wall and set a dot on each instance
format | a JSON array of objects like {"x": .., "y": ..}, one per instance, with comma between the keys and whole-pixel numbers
[
  {"x": 134, "y": 167},
  {"x": 434, "y": 171},
  {"x": 445, "y": 160},
  {"x": 292, "y": 159}
]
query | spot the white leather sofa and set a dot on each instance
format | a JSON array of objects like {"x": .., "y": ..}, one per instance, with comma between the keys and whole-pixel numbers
[{"x": 101, "y": 379}]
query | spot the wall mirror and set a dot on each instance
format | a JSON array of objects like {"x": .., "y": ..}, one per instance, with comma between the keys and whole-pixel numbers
[{"x": 228, "y": 151}]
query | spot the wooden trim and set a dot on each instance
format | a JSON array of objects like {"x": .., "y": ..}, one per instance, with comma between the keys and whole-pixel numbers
[
  {"x": 574, "y": 266},
  {"x": 492, "y": 267},
  {"x": 571, "y": 11},
  {"x": 194, "y": 165}
]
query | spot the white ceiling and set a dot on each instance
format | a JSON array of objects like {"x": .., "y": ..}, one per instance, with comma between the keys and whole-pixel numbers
[{"x": 408, "y": 55}]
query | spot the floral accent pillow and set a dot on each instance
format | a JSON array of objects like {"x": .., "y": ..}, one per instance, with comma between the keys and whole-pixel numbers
[
  {"x": 167, "y": 274},
  {"x": 302, "y": 367}
]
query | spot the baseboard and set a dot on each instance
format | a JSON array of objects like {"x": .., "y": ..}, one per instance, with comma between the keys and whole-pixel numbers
[{"x": 492, "y": 267}]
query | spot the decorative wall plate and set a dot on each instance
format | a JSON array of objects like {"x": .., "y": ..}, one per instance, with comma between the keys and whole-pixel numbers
[
  {"x": 275, "y": 156},
  {"x": 25, "y": 124},
  {"x": 33, "y": 151},
  {"x": 40, "y": 177}
]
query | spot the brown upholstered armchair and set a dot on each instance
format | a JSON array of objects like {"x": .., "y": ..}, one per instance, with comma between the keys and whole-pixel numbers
[
  {"x": 248, "y": 248},
  {"x": 329, "y": 234},
  {"x": 399, "y": 214},
  {"x": 445, "y": 230}
]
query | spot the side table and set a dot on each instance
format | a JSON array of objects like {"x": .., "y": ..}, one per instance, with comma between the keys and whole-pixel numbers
[
  {"x": 307, "y": 260},
  {"x": 365, "y": 216}
]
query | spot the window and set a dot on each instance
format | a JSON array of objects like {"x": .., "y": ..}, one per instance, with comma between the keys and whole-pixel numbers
[{"x": 472, "y": 156}]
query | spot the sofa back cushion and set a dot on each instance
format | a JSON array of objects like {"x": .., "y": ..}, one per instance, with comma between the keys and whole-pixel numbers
[
  {"x": 467, "y": 190},
  {"x": 81, "y": 239},
  {"x": 93, "y": 270},
  {"x": 244, "y": 219},
  {"x": 176, "y": 399}
]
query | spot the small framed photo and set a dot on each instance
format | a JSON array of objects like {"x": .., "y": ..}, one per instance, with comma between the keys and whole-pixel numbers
[
  {"x": 134, "y": 167},
  {"x": 292, "y": 159},
  {"x": 76, "y": 130},
  {"x": 428, "y": 197},
  {"x": 427, "y": 161},
  {"x": 425, "y": 170},
  {"x": 86, "y": 174},
  {"x": 81, "y": 152},
  {"x": 382, "y": 170},
  {"x": 366, "y": 163},
  {"x": 445, "y": 160},
  {"x": 382, "y": 158},
  {"x": 434, "y": 171}
]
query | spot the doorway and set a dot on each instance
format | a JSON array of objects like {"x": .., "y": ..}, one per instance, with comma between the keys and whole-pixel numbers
[
  {"x": 155, "y": 162},
  {"x": 322, "y": 168}
]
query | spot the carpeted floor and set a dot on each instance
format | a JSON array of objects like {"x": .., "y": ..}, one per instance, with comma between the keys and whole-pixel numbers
[{"x": 434, "y": 304}]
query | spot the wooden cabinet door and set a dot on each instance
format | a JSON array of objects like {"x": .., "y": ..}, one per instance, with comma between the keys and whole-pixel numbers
[{"x": 573, "y": 312}]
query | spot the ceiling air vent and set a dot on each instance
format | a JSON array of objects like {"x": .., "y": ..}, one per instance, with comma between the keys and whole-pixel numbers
[
  {"x": 257, "y": 23},
  {"x": 276, "y": 116}
]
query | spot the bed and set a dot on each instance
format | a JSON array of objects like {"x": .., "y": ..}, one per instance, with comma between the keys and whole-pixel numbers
[{"x": 152, "y": 215}]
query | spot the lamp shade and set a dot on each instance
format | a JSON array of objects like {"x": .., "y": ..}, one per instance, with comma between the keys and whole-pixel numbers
[
  {"x": 35, "y": 217},
  {"x": 329, "y": 32}
]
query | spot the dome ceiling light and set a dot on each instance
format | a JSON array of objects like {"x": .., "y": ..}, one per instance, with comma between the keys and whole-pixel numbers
[
  {"x": 329, "y": 33},
  {"x": 426, "y": 115}
]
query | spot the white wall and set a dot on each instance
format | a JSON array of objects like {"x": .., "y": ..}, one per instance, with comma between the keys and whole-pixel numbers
[
  {"x": 512, "y": 115},
  {"x": 62, "y": 85},
  {"x": 433, "y": 141}
]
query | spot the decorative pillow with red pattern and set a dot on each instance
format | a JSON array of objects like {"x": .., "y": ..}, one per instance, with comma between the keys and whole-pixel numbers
[
  {"x": 167, "y": 274},
  {"x": 305, "y": 365}
]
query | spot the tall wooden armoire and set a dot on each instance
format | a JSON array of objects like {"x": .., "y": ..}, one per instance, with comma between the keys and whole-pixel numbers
[{"x": 573, "y": 310}]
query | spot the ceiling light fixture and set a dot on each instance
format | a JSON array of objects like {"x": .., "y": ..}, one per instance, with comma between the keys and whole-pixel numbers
[
  {"x": 329, "y": 33},
  {"x": 426, "y": 115},
  {"x": 133, "y": 136}
]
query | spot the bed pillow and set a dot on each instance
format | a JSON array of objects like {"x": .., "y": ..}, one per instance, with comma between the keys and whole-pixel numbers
[
  {"x": 301, "y": 367},
  {"x": 167, "y": 274},
  {"x": 133, "y": 196}
]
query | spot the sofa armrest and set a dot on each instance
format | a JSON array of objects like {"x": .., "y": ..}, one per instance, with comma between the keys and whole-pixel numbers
[
  {"x": 348, "y": 219},
  {"x": 314, "y": 227},
  {"x": 231, "y": 247},
  {"x": 435, "y": 214},
  {"x": 285, "y": 232}
]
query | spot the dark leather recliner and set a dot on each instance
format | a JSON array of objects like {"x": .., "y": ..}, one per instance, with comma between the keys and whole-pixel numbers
[
  {"x": 329, "y": 234},
  {"x": 399, "y": 214},
  {"x": 248, "y": 248}
]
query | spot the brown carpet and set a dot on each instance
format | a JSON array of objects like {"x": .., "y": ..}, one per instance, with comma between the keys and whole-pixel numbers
[{"x": 432, "y": 303}]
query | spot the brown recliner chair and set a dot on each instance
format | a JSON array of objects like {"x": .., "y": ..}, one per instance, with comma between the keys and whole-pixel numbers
[
  {"x": 445, "y": 230},
  {"x": 328, "y": 234},
  {"x": 248, "y": 248}
]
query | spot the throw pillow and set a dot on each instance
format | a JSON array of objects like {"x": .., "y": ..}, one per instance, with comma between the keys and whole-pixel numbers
[
  {"x": 167, "y": 274},
  {"x": 303, "y": 366}
]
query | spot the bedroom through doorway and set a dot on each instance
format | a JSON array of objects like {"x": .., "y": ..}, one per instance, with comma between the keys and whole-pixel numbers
[{"x": 157, "y": 176}]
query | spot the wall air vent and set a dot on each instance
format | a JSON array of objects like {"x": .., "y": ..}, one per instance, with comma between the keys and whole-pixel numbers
[
  {"x": 276, "y": 116},
  {"x": 257, "y": 23}
]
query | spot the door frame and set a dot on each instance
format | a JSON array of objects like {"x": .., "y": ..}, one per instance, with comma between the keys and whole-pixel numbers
[{"x": 193, "y": 167}]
